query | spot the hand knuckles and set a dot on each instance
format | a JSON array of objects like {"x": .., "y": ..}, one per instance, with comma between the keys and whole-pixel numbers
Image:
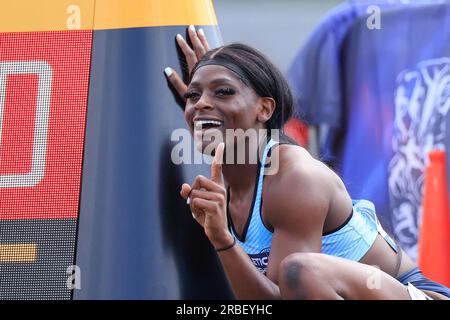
[
  {"x": 196, "y": 180},
  {"x": 191, "y": 54},
  {"x": 223, "y": 191},
  {"x": 221, "y": 198}
]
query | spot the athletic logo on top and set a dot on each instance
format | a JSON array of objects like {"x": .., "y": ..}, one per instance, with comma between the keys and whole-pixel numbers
[{"x": 261, "y": 260}]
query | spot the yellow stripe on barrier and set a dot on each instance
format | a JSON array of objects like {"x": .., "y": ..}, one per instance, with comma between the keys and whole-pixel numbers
[
  {"x": 46, "y": 15},
  {"x": 55, "y": 15},
  {"x": 111, "y": 14},
  {"x": 24, "y": 252}
]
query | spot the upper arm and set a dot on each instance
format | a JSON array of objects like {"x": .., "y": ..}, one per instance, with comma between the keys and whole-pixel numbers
[{"x": 296, "y": 207}]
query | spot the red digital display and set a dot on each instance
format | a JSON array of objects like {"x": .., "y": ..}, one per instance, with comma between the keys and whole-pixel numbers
[{"x": 44, "y": 80}]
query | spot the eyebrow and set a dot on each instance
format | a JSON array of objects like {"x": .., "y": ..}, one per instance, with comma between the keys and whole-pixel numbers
[{"x": 215, "y": 81}]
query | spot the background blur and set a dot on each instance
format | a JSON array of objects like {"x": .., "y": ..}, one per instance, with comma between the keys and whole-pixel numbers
[{"x": 277, "y": 28}]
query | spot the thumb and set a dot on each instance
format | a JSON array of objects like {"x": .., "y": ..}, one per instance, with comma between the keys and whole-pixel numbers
[{"x": 185, "y": 190}]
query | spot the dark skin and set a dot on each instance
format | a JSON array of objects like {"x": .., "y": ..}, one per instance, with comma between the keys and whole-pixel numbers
[{"x": 301, "y": 201}]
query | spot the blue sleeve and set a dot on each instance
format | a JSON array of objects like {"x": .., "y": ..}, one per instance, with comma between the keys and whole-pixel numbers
[{"x": 315, "y": 73}]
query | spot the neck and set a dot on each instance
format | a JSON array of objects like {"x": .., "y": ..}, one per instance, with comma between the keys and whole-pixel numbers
[
  {"x": 240, "y": 173},
  {"x": 240, "y": 177}
]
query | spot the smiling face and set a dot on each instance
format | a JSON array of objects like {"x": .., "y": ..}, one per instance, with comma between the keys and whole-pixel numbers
[{"x": 217, "y": 100}]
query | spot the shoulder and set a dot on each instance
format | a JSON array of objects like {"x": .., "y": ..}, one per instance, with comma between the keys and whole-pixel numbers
[
  {"x": 300, "y": 174},
  {"x": 300, "y": 191}
]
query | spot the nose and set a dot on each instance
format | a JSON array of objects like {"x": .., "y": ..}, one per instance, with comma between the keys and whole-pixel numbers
[{"x": 203, "y": 103}]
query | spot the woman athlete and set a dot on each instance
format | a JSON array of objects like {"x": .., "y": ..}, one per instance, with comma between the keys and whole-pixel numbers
[{"x": 295, "y": 234}]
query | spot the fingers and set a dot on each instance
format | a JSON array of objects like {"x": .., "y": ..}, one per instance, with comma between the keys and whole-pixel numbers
[
  {"x": 176, "y": 81},
  {"x": 216, "y": 165},
  {"x": 200, "y": 47},
  {"x": 185, "y": 193},
  {"x": 191, "y": 58},
  {"x": 207, "y": 195},
  {"x": 201, "y": 35},
  {"x": 203, "y": 188},
  {"x": 201, "y": 182},
  {"x": 197, "y": 210},
  {"x": 199, "y": 204},
  {"x": 197, "y": 44}
]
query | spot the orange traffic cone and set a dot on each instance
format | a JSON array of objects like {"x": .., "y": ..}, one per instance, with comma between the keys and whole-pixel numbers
[{"x": 434, "y": 237}]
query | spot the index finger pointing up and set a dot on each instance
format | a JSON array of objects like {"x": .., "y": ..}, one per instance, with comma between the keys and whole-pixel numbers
[{"x": 216, "y": 165}]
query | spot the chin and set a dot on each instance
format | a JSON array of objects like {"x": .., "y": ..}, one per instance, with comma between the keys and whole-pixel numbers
[
  {"x": 207, "y": 142},
  {"x": 206, "y": 147}
]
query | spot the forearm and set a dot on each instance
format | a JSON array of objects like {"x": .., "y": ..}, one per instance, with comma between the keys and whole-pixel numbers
[{"x": 245, "y": 279}]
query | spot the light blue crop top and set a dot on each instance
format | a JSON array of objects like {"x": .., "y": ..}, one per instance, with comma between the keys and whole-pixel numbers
[{"x": 350, "y": 241}]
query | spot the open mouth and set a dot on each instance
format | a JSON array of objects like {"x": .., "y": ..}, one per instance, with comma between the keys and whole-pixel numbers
[{"x": 204, "y": 125}]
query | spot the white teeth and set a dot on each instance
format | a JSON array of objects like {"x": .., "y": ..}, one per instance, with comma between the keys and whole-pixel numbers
[{"x": 200, "y": 123}]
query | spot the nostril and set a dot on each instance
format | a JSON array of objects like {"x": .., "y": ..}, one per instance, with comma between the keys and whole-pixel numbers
[{"x": 200, "y": 105}]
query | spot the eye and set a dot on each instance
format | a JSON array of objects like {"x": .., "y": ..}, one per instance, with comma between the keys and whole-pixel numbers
[
  {"x": 192, "y": 95},
  {"x": 225, "y": 92}
]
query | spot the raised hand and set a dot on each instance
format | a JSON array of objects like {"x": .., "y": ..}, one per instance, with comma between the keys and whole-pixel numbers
[
  {"x": 207, "y": 199},
  {"x": 199, "y": 47}
]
